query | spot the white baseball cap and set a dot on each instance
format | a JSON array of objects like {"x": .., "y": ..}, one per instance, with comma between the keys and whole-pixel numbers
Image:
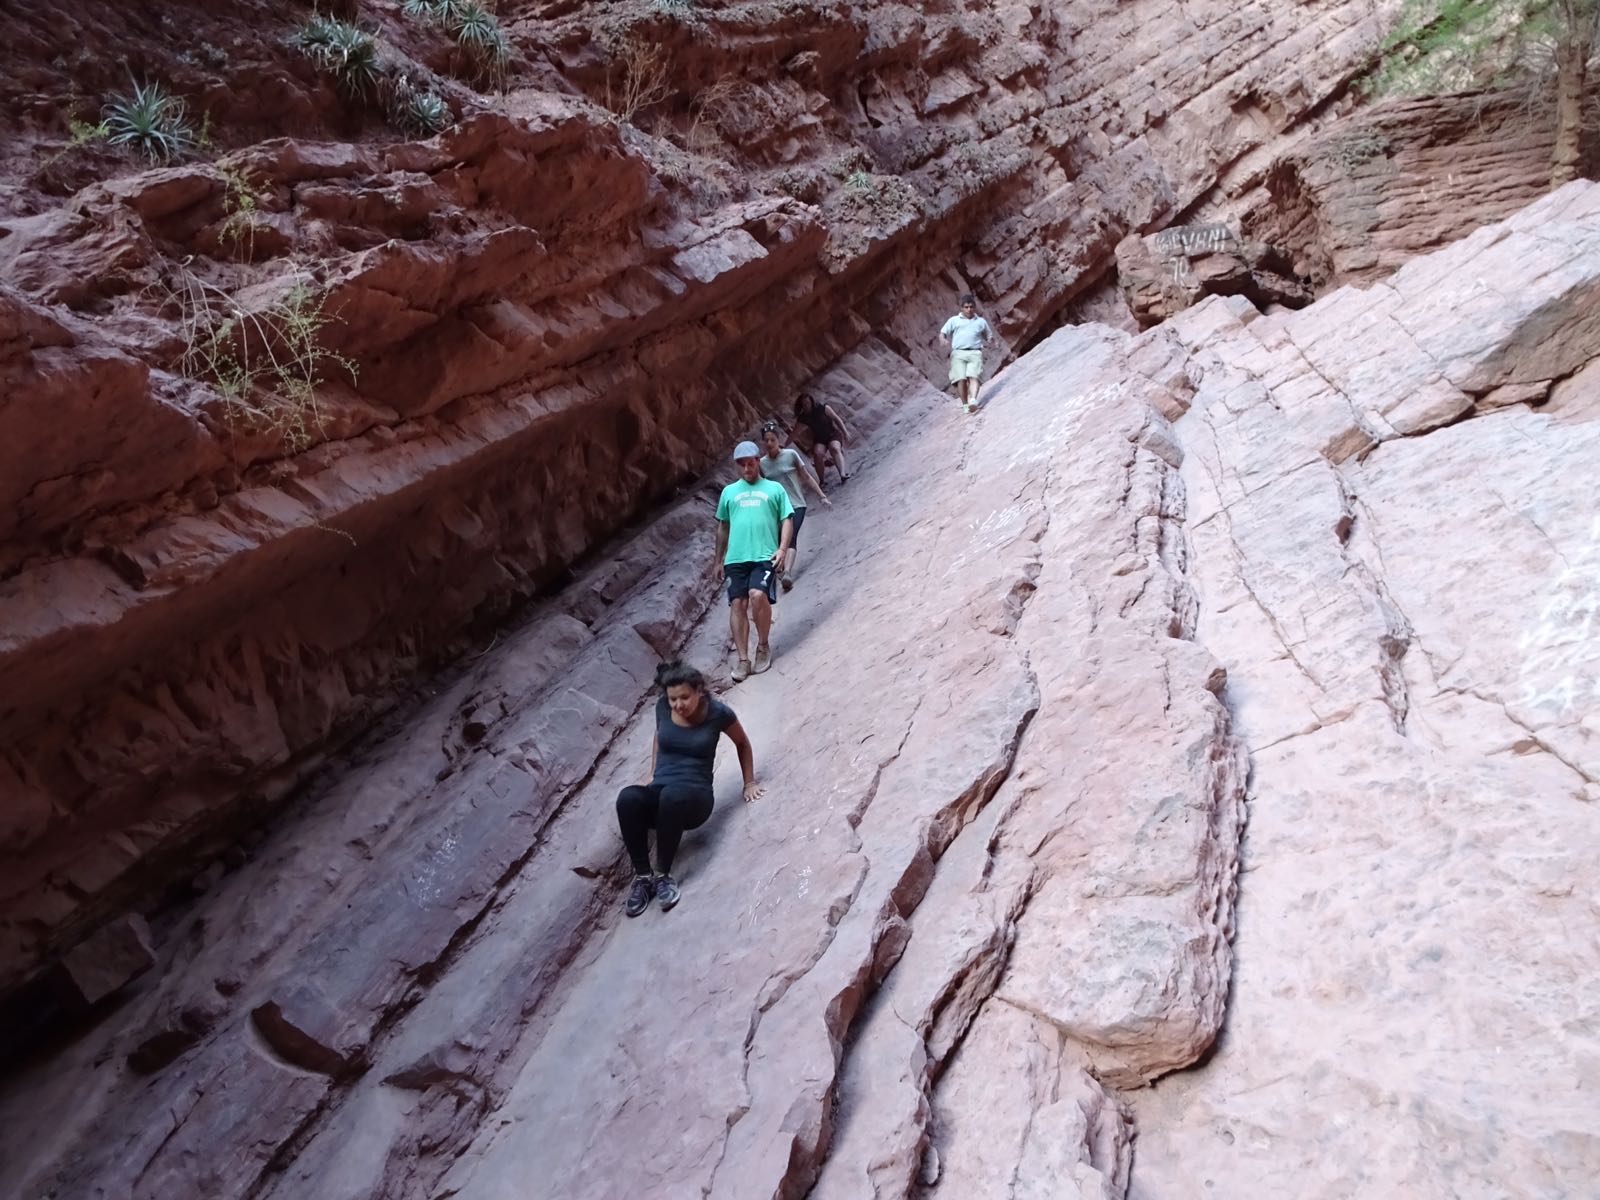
[{"x": 746, "y": 450}]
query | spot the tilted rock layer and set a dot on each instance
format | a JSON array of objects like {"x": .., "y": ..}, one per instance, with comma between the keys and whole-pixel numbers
[
  {"x": 1397, "y": 550},
  {"x": 1364, "y": 196},
  {"x": 557, "y": 319},
  {"x": 1335, "y": 567}
]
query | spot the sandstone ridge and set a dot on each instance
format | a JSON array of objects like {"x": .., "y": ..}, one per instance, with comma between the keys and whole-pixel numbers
[
  {"x": 558, "y": 321},
  {"x": 989, "y": 905}
]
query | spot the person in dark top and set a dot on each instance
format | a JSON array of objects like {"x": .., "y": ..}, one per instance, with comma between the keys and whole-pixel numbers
[
  {"x": 828, "y": 433},
  {"x": 689, "y": 720}
]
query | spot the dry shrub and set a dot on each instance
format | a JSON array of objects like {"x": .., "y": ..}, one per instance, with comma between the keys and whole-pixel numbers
[
  {"x": 637, "y": 77},
  {"x": 716, "y": 106},
  {"x": 267, "y": 363}
]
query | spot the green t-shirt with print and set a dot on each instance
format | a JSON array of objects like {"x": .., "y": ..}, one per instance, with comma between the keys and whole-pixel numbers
[{"x": 755, "y": 513}]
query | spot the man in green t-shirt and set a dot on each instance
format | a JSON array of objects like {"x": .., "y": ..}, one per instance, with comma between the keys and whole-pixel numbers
[{"x": 755, "y": 523}]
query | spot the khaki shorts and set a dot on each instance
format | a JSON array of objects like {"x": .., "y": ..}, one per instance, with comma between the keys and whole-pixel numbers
[{"x": 966, "y": 364}]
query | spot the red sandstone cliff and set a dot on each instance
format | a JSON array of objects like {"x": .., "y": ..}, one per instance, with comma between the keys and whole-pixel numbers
[
  {"x": 1334, "y": 567},
  {"x": 1331, "y": 568},
  {"x": 558, "y": 320}
]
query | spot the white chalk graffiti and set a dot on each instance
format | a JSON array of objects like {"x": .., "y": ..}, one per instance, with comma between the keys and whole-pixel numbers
[
  {"x": 1062, "y": 425},
  {"x": 425, "y": 889},
  {"x": 1561, "y": 664},
  {"x": 1196, "y": 239},
  {"x": 1427, "y": 193},
  {"x": 997, "y": 529}
]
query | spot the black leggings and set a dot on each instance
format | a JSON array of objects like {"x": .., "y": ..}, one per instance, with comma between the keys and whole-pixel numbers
[{"x": 669, "y": 809}]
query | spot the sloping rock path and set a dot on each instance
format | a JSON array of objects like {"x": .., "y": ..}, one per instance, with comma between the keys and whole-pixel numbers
[{"x": 989, "y": 895}]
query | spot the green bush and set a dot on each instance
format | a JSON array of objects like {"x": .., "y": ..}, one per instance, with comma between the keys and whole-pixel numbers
[
  {"x": 241, "y": 203},
  {"x": 147, "y": 119},
  {"x": 418, "y": 111},
  {"x": 347, "y": 53},
  {"x": 482, "y": 43},
  {"x": 267, "y": 364}
]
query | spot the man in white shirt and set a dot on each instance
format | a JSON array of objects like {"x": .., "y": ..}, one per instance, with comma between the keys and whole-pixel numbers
[{"x": 965, "y": 335}]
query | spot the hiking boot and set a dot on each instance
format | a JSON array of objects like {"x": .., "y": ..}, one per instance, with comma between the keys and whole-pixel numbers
[
  {"x": 763, "y": 659},
  {"x": 667, "y": 893},
  {"x": 742, "y": 671},
  {"x": 645, "y": 888}
]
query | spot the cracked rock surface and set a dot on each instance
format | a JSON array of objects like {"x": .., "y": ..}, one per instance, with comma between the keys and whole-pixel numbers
[
  {"x": 1415, "y": 669},
  {"x": 1341, "y": 562},
  {"x": 964, "y": 845}
]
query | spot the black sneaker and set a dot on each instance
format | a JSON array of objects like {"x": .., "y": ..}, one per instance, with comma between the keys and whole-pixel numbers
[
  {"x": 667, "y": 891},
  {"x": 643, "y": 891}
]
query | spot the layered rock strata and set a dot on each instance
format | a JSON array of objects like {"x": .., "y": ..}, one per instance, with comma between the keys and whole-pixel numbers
[
  {"x": 557, "y": 319},
  {"x": 1396, "y": 555},
  {"x": 1365, "y": 195},
  {"x": 1004, "y": 804},
  {"x": 985, "y": 909}
]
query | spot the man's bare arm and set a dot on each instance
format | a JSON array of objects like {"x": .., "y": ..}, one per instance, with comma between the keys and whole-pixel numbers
[
  {"x": 784, "y": 538},
  {"x": 722, "y": 547}
]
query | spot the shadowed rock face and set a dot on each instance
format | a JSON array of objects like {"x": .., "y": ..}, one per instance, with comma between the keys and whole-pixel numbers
[
  {"x": 1164, "y": 273},
  {"x": 1036, "y": 664},
  {"x": 1365, "y": 196},
  {"x": 559, "y": 321}
]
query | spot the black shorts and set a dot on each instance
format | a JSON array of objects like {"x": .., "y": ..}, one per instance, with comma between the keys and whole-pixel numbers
[
  {"x": 799, "y": 520},
  {"x": 746, "y": 577}
]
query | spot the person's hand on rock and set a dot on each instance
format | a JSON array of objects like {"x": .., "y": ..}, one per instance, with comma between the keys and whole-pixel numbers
[{"x": 753, "y": 791}]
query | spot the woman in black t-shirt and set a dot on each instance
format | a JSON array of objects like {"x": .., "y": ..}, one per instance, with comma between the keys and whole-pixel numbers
[
  {"x": 689, "y": 720},
  {"x": 827, "y": 429}
]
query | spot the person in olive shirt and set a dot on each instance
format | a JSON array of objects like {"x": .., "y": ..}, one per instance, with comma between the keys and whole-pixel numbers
[
  {"x": 755, "y": 524},
  {"x": 787, "y": 466},
  {"x": 689, "y": 721}
]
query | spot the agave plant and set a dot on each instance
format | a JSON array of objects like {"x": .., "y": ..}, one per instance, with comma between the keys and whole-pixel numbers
[
  {"x": 417, "y": 110},
  {"x": 347, "y": 53},
  {"x": 434, "y": 9},
  {"x": 149, "y": 120},
  {"x": 426, "y": 112},
  {"x": 477, "y": 31},
  {"x": 483, "y": 42}
]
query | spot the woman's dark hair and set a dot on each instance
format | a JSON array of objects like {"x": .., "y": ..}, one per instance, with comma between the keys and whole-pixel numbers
[
  {"x": 772, "y": 427},
  {"x": 800, "y": 402},
  {"x": 677, "y": 674}
]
